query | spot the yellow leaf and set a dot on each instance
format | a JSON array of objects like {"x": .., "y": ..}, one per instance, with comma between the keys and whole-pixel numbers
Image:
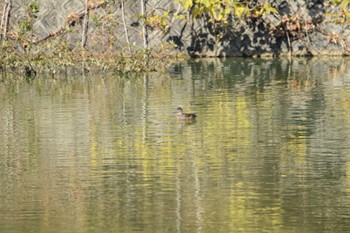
[
  {"x": 345, "y": 4},
  {"x": 187, "y": 4},
  {"x": 196, "y": 12},
  {"x": 241, "y": 11},
  {"x": 270, "y": 9},
  {"x": 227, "y": 11},
  {"x": 180, "y": 16},
  {"x": 219, "y": 17},
  {"x": 206, "y": 3}
]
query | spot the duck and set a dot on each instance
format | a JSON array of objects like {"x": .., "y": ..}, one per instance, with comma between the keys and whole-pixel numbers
[{"x": 180, "y": 115}]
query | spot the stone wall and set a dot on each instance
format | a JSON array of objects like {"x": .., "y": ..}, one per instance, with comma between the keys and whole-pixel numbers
[{"x": 243, "y": 38}]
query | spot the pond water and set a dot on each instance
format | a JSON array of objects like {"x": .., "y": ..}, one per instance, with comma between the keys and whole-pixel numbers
[{"x": 269, "y": 152}]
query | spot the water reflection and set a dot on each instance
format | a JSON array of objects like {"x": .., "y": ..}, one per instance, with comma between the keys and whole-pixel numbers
[{"x": 268, "y": 152}]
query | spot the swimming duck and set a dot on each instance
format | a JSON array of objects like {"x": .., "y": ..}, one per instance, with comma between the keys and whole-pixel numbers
[{"x": 180, "y": 115}]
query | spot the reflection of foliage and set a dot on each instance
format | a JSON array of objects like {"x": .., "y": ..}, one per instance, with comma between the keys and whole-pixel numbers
[{"x": 219, "y": 167}]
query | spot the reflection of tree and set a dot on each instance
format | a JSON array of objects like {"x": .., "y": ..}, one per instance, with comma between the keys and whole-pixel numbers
[{"x": 264, "y": 151}]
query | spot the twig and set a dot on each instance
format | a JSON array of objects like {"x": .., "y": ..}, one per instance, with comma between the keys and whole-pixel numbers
[
  {"x": 173, "y": 18},
  {"x": 85, "y": 25},
  {"x": 285, "y": 30},
  {"x": 288, "y": 40},
  {"x": 125, "y": 28}
]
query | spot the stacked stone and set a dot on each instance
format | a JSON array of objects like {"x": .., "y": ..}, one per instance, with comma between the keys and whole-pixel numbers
[{"x": 301, "y": 27}]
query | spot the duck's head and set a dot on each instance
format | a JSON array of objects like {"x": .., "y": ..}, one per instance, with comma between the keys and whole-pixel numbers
[{"x": 178, "y": 111}]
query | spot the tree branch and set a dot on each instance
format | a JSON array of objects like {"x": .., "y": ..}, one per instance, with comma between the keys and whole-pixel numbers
[
  {"x": 85, "y": 25},
  {"x": 144, "y": 31},
  {"x": 125, "y": 28}
]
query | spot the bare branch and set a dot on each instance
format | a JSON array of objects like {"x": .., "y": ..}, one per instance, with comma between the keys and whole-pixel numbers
[
  {"x": 5, "y": 19},
  {"x": 144, "y": 32},
  {"x": 125, "y": 28},
  {"x": 85, "y": 25}
]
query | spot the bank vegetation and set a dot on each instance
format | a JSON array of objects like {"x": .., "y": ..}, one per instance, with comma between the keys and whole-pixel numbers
[{"x": 98, "y": 47}]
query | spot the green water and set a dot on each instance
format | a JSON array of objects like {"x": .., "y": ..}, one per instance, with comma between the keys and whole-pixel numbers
[{"x": 269, "y": 152}]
